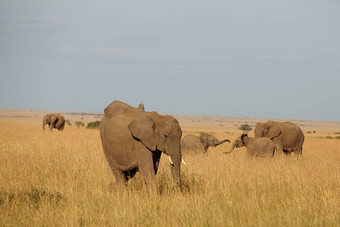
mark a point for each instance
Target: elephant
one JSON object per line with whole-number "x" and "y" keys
{"x": 54, "y": 121}
{"x": 68, "y": 122}
{"x": 201, "y": 143}
{"x": 134, "y": 140}
{"x": 259, "y": 147}
{"x": 287, "y": 136}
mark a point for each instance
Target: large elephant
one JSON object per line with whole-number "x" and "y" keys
{"x": 287, "y": 136}
{"x": 258, "y": 147}
{"x": 201, "y": 143}
{"x": 54, "y": 121}
{"x": 134, "y": 140}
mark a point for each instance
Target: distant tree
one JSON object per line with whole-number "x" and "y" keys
{"x": 94, "y": 124}
{"x": 245, "y": 128}
{"x": 79, "y": 124}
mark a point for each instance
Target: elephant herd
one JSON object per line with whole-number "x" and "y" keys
{"x": 134, "y": 140}
{"x": 284, "y": 137}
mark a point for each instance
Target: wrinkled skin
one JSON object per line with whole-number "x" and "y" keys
{"x": 54, "y": 121}
{"x": 201, "y": 143}
{"x": 258, "y": 147}
{"x": 134, "y": 140}
{"x": 287, "y": 136}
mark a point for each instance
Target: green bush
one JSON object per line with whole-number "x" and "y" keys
{"x": 245, "y": 128}
{"x": 94, "y": 124}
{"x": 68, "y": 122}
{"x": 79, "y": 124}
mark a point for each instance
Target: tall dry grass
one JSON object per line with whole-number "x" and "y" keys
{"x": 62, "y": 179}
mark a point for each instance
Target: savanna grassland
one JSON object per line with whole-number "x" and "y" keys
{"x": 62, "y": 179}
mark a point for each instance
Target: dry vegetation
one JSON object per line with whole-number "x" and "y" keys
{"x": 62, "y": 179}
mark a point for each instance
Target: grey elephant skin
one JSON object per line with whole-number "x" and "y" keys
{"x": 56, "y": 121}
{"x": 134, "y": 140}
{"x": 258, "y": 147}
{"x": 287, "y": 136}
{"x": 201, "y": 143}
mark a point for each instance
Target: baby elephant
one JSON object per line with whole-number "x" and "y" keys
{"x": 259, "y": 147}
{"x": 201, "y": 143}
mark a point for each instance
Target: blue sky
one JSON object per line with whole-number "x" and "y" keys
{"x": 265, "y": 58}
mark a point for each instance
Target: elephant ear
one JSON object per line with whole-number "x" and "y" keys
{"x": 273, "y": 132}
{"x": 142, "y": 128}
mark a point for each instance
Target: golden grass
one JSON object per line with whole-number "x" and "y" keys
{"x": 62, "y": 179}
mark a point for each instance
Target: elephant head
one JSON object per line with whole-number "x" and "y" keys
{"x": 50, "y": 120}
{"x": 162, "y": 133}
{"x": 267, "y": 129}
{"x": 209, "y": 140}
{"x": 237, "y": 143}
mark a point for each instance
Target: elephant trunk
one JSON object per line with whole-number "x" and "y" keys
{"x": 176, "y": 168}
{"x": 223, "y": 141}
{"x": 232, "y": 148}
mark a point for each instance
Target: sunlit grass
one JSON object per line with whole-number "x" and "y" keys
{"x": 62, "y": 178}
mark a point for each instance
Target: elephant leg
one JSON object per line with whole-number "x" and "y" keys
{"x": 51, "y": 126}
{"x": 249, "y": 155}
{"x": 121, "y": 178}
{"x": 147, "y": 170}
{"x": 298, "y": 152}
{"x": 46, "y": 123}
{"x": 279, "y": 148}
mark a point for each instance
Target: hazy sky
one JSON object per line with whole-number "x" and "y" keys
{"x": 262, "y": 58}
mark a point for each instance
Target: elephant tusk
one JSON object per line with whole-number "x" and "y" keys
{"x": 170, "y": 160}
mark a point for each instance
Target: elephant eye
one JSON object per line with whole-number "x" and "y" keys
{"x": 165, "y": 135}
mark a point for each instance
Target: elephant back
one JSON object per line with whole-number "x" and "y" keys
{"x": 191, "y": 143}
{"x": 289, "y": 128}
{"x": 117, "y": 107}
